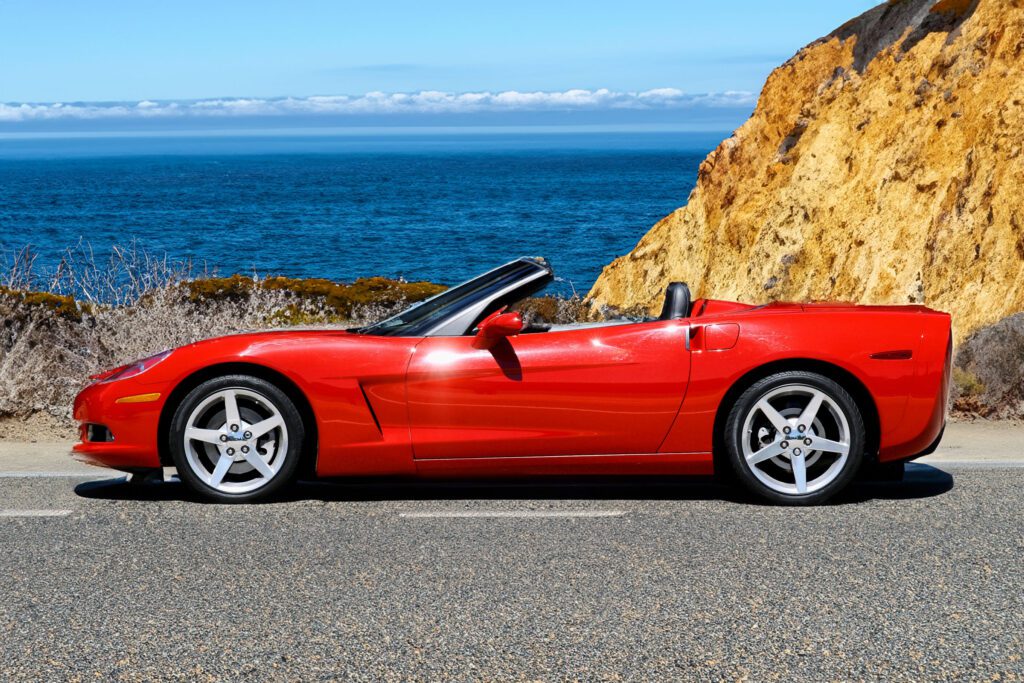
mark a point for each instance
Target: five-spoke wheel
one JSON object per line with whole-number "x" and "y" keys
{"x": 236, "y": 438}
{"x": 795, "y": 437}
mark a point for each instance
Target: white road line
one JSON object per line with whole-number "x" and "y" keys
{"x": 511, "y": 513}
{"x": 34, "y": 513}
{"x": 58, "y": 475}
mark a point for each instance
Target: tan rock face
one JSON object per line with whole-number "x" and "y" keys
{"x": 883, "y": 164}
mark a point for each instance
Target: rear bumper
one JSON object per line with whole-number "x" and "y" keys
{"x": 924, "y": 420}
{"x": 925, "y": 441}
{"x": 932, "y": 447}
{"x": 132, "y": 426}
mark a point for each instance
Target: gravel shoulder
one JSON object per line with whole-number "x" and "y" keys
{"x": 980, "y": 441}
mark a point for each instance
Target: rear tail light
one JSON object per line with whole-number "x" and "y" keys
{"x": 947, "y": 374}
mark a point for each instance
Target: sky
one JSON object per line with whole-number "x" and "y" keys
{"x": 310, "y": 58}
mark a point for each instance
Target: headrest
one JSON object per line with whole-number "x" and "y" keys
{"x": 677, "y": 302}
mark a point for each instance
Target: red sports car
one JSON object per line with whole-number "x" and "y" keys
{"x": 793, "y": 399}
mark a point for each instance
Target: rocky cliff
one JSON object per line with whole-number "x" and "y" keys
{"x": 883, "y": 164}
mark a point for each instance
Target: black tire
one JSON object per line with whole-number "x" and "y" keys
{"x": 776, "y": 386}
{"x": 256, "y": 390}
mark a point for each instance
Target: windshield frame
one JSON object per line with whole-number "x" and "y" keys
{"x": 456, "y": 311}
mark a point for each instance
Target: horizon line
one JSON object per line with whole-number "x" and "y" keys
{"x": 367, "y": 130}
{"x": 376, "y": 103}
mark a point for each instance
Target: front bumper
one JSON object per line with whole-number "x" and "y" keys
{"x": 133, "y": 426}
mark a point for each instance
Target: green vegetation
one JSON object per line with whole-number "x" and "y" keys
{"x": 61, "y": 305}
{"x": 967, "y": 383}
{"x": 341, "y": 300}
{"x": 338, "y": 302}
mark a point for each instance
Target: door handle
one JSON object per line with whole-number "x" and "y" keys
{"x": 717, "y": 336}
{"x": 691, "y": 332}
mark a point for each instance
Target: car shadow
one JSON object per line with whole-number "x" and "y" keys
{"x": 920, "y": 481}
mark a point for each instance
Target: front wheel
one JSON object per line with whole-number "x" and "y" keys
{"x": 795, "y": 437}
{"x": 236, "y": 439}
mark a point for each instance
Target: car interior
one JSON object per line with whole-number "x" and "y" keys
{"x": 459, "y": 310}
{"x": 678, "y": 305}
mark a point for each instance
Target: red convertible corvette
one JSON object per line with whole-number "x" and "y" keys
{"x": 793, "y": 399}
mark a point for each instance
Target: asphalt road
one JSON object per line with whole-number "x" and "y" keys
{"x": 598, "y": 581}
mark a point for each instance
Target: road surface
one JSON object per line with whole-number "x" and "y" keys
{"x": 641, "y": 580}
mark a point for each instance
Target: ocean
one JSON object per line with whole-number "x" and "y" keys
{"x": 439, "y": 206}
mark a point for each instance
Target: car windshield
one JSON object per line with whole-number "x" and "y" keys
{"x": 497, "y": 287}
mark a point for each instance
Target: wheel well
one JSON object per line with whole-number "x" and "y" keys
{"x": 856, "y": 389}
{"x": 282, "y": 382}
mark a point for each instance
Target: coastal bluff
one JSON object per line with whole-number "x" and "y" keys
{"x": 882, "y": 164}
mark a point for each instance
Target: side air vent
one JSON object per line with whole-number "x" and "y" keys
{"x": 369, "y": 406}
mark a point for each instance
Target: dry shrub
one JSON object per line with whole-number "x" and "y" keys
{"x": 605, "y": 312}
{"x": 554, "y": 310}
{"x": 50, "y": 344}
{"x": 988, "y": 374}
{"x": 92, "y": 313}
{"x": 121, "y": 277}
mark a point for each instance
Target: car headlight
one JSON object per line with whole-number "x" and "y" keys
{"x": 131, "y": 369}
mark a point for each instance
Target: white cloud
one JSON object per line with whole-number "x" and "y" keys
{"x": 425, "y": 102}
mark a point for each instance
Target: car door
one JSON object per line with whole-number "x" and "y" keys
{"x": 588, "y": 391}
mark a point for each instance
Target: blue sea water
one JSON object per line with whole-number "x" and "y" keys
{"x": 438, "y": 206}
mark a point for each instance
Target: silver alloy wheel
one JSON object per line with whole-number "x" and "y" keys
{"x": 236, "y": 440}
{"x": 796, "y": 439}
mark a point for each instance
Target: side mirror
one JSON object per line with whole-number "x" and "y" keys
{"x": 496, "y": 327}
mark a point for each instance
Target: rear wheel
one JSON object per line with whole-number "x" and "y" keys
{"x": 795, "y": 437}
{"x": 236, "y": 438}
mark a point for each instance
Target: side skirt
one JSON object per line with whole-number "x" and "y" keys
{"x": 690, "y": 464}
